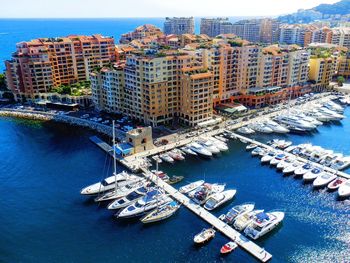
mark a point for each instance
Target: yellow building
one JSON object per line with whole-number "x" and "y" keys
{"x": 321, "y": 71}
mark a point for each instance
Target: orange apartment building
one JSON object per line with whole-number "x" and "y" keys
{"x": 41, "y": 64}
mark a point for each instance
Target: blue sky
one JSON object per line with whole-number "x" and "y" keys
{"x": 150, "y": 8}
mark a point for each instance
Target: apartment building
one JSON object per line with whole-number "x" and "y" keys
{"x": 41, "y": 64}
{"x": 179, "y": 25}
{"x": 341, "y": 36}
{"x": 321, "y": 71}
{"x": 269, "y": 30}
{"x": 141, "y": 33}
{"x": 215, "y": 26}
{"x": 344, "y": 65}
{"x": 247, "y": 29}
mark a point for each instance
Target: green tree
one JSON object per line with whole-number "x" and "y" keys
{"x": 2, "y": 82}
{"x": 340, "y": 80}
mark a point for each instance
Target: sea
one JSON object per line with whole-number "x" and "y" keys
{"x": 43, "y": 166}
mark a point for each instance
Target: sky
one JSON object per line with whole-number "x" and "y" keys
{"x": 150, "y": 8}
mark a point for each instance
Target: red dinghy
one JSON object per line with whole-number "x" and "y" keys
{"x": 336, "y": 183}
{"x": 228, "y": 247}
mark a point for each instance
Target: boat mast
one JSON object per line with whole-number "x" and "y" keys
{"x": 114, "y": 158}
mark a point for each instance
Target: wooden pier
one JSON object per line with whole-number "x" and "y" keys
{"x": 256, "y": 251}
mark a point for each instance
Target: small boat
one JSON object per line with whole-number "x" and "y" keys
{"x": 251, "y": 146}
{"x": 188, "y": 150}
{"x": 344, "y": 189}
{"x": 201, "y": 195}
{"x": 219, "y": 199}
{"x": 291, "y": 168}
{"x": 312, "y": 174}
{"x": 228, "y": 247}
{"x": 263, "y": 223}
{"x": 176, "y": 155}
{"x": 336, "y": 183}
{"x": 285, "y": 162}
{"x": 166, "y": 158}
{"x": 175, "y": 179}
{"x": 204, "y": 236}
{"x": 243, "y": 220}
{"x": 161, "y": 175}
{"x": 257, "y": 151}
{"x": 128, "y": 200}
{"x": 340, "y": 163}
{"x": 277, "y": 159}
{"x": 323, "y": 179}
{"x": 281, "y": 144}
{"x": 157, "y": 159}
{"x": 235, "y": 211}
{"x": 190, "y": 187}
{"x": 303, "y": 169}
{"x": 163, "y": 212}
{"x": 268, "y": 157}
{"x": 245, "y": 130}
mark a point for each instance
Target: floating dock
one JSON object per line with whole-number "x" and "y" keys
{"x": 256, "y": 251}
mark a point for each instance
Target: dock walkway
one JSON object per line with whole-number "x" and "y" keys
{"x": 256, "y": 251}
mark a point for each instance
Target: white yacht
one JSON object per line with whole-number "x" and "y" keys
{"x": 312, "y": 174}
{"x": 190, "y": 187}
{"x": 324, "y": 179}
{"x": 128, "y": 200}
{"x": 309, "y": 119}
{"x": 263, "y": 223}
{"x": 201, "y": 195}
{"x": 244, "y": 219}
{"x": 318, "y": 115}
{"x": 176, "y": 155}
{"x": 150, "y": 201}
{"x": 303, "y": 169}
{"x": 295, "y": 122}
{"x": 340, "y": 163}
{"x": 331, "y": 114}
{"x": 285, "y": 162}
{"x": 222, "y": 146}
{"x": 219, "y": 199}
{"x": 221, "y": 138}
{"x": 122, "y": 191}
{"x": 196, "y": 147}
{"x": 251, "y": 146}
{"x": 245, "y": 130}
{"x": 260, "y": 127}
{"x": 257, "y": 151}
{"x": 268, "y": 157}
{"x": 188, "y": 150}
{"x": 207, "y": 144}
{"x": 235, "y": 211}
{"x": 333, "y": 106}
{"x": 166, "y": 158}
{"x": 344, "y": 189}
{"x": 292, "y": 167}
{"x": 277, "y": 128}
{"x": 277, "y": 159}
{"x": 108, "y": 183}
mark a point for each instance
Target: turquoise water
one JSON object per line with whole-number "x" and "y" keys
{"x": 44, "y": 219}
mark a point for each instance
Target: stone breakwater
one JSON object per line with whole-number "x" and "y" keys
{"x": 46, "y": 116}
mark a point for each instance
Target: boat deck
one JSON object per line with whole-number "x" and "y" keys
{"x": 256, "y": 251}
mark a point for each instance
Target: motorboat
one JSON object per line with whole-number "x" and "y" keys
{"x": 244, "y": 219}
{"x": 207, "y": 144}
{"x": 204, "y": 236}
{"x": 235, "y": 211}
{"x": 268, "y": 157}
{"x": 332, "y": 115}
{"x": 312, "y": 174}
{"x": 277, "y": 128}
{"x": 263, "y": 223}
{"x": 228, "y": 247}
{"x": 190, "y": 187}
{"x": 251, "y": 146}
{"x": 166, "y": 158}
{"x": 222, "y": 146}
{"x": 336, "y": 183}
{"x": 344, "y": 189}
{"x": 221, "y": 138}
{"x": 175, "y": 179}
{"x": 260, "y": 127}
{"x": 277, "y": 159}
{"x": 150, "y": 201}
{"x": 157, "y": 159}
{"x": 293, "y": 121}
{"x": 122, "y": 191}
{"x": 291, "y": 168}
{"x": 107, "y": 183}
{"x": 328, "y": 159}
{"x": 257, "y": 151}
{"x": 323, "y": 179}
{"x": 176, "y": 155}
{"x": 201, "y": 195}
{"x": 161, "y": 175}
{"x": 162, "y": 212}
{"x": 128, "y": 200}
{"x": 280, "y": 144}
{"x": 219, "y": 199}
{"x": 333, "y": 106}
{"x": 285, "y": 162}
{"x": 245, "y": 130}
{"x": 188, "y": 150}
{"x": 340, "y": 163}
{"x": 197, "y": 148}
{"x": 303, "y": 169}
{"x": 318, "y": 116}
{"x": 309, "y": 119}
